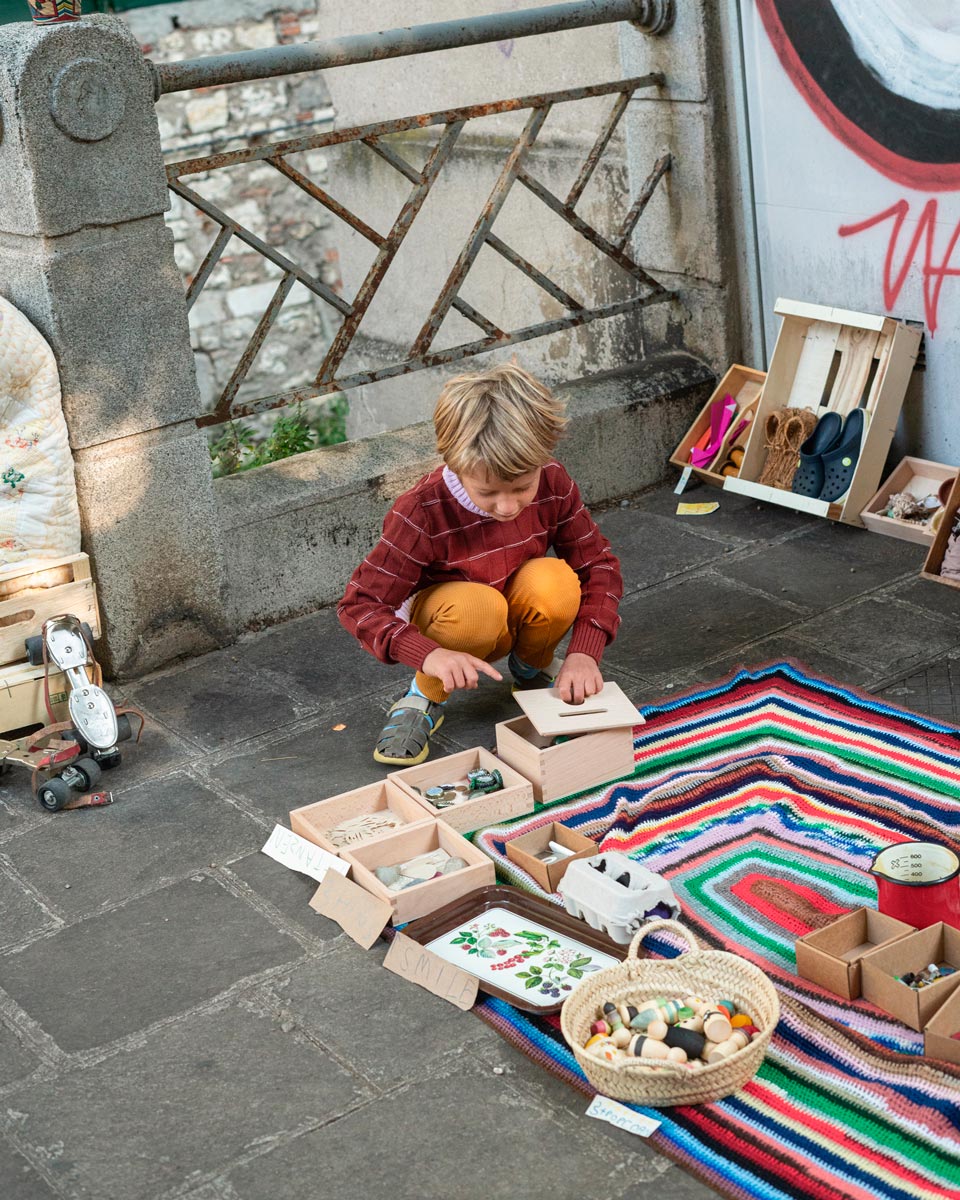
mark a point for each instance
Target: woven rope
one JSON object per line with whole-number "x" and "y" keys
{"x": 713, "y": 974}
{"x": 786, "y": 430}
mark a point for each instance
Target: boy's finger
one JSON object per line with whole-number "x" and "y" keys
{"x": 486, "y": 669}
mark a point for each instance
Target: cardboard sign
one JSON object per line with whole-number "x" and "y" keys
{"x": 358, "y": 913}
{"x": 291, "y": 850}
{"x": 617, "y": 1114}
{"x": 414, "y": 963}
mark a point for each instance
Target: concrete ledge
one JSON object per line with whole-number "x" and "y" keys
{"x": 293, "y": 531}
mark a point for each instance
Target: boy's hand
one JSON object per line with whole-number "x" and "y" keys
{"x": 456, "y": 669}
{"x": 579, "y": 677}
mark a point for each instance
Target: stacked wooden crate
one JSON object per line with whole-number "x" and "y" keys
{"x": 28, "y": 597}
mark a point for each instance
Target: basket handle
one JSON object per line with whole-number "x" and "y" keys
{"x": 659, "y": 923}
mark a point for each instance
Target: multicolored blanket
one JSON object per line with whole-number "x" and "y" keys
{"x": 763, "y": 799}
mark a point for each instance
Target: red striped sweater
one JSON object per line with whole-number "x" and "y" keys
{"x": 432, "y": 536}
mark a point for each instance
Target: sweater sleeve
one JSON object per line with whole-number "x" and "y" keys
{"x": 579, "y": 542}
{"x": 383, "y": 581}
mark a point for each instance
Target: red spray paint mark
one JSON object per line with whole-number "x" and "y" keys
{"x": 933, "y": 273}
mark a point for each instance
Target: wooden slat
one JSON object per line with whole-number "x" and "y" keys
{"x": 857, "y": 348}
{"x": 36, "y": 606}
{"x": 836, "y": 316}
{"x": 816, "y": 359}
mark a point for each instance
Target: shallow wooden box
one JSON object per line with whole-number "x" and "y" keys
{"x": 426, "y": 897}
{"x": 314, "y": 821}
{"x": 586, "y": 760}
{"x": 28, "y": 596}
{"x": 830, "y": 358}
{"x": 934, "y": 559}
{"x": 515, "y": 799}
{"x": 920, "y": 477}
{"x": 744, "y": 384}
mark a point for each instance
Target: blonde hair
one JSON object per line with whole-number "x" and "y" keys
{"x": 500, "y": 421}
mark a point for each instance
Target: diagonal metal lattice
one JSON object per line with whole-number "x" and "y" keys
{"x": 421, "y": 353}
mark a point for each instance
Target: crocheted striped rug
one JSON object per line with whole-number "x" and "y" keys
{"x": 763, "y": 799}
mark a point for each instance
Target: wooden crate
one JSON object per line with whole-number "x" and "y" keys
{"x": 425, "y": 897}
{"x": 744, "y": 384}
{"x": 931, "y": 566}
{"x": 829, "y": 358}
{"x": 920, "y": 477}
{"x": 28, "y": 597}
{"x": 314, "y": 821}
{"x": 514, "y": 799}
{"x": 584, "y": 761}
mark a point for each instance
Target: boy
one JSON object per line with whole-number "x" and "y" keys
{"x": 459, "y": 577}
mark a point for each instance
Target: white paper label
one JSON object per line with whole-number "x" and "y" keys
{"x": 291, "y": 850}
{"x": 624, "y": 1118}
{"x": 684, "y": 480}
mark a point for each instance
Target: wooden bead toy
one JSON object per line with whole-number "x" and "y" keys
{"x": 601, "y": 1027}
{"x": 728, "y": 1007}
{"x": 612, "y": 1016}
{"x": 716, "y": 1025}
{"x": 689, "y": 1041}
{"x": 645, "y": 1047}
{"x": 657, "y": 1030}
{"x": 736, "y": 1041}
{"x": 741, "y": 1019}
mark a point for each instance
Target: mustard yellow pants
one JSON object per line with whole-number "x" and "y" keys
{"x": 530, "y": 616}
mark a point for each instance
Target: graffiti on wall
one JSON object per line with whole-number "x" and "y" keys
{"x": 884, "y": 77}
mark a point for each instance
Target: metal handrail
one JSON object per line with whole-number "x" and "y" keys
{"x": 652, "y": 16}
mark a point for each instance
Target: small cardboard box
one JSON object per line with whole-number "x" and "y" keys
{"x": 918, "y": 476}
{"x": 314, "y": 821}
{"x": 426, "y": 897}
{"x": 744, "y": 384}
{"x": 934, "y": 559}
{"x": 831, "y": 956}
{"x": 515, "y": 798}
{"x": 938, "y": 1039}
{"x": 938, "y": 944}
{"x": 523, "y": 851}
{"x": 584, "y": 761}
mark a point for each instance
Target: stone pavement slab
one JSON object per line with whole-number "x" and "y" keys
{"x": 158, "y": 832}
{"x": 669, "y": 629}
{"x": 23, "y": 915}
{"x": 287, "y": 770}
{"x": 110, "y": 976}
{"x": 167, "y": 1112}
{"x": 19, "y": 1181}
{"x": 879, "y": 632}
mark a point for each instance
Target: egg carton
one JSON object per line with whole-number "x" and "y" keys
{"x": 613, "y": 893}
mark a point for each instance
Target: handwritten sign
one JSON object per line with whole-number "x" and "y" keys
{"x": 418, "y": 965}
{"x": 295, "y": 852}
{"x": 608, "y": 1110}
{"x": 358, "y": 914}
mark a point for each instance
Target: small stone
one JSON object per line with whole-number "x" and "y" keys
{"x": 67, "y": 886}
{"x": 387, "y": 875}
{"x": 624, "y": 503}
{"x": 498, "y": 1070}
{"x": 287, "y": 1026}
{"x": 451, "y": 865}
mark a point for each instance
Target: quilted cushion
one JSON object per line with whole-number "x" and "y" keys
{"x": 39, "y": 518}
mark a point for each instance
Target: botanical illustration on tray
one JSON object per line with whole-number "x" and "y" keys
{"x": 520, "y": 956}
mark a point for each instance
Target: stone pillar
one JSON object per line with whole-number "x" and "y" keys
{"x": 85, "y": 254}
{"x": 685, "y": 237}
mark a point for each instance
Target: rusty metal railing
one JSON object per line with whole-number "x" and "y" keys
{"x": 375, "y": 138}
{"x": 651, "y": 16}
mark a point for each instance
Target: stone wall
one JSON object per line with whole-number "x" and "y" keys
{"x": 211, "y": 120}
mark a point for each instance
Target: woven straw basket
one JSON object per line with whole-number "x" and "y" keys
{"x": 713, "y": 974}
